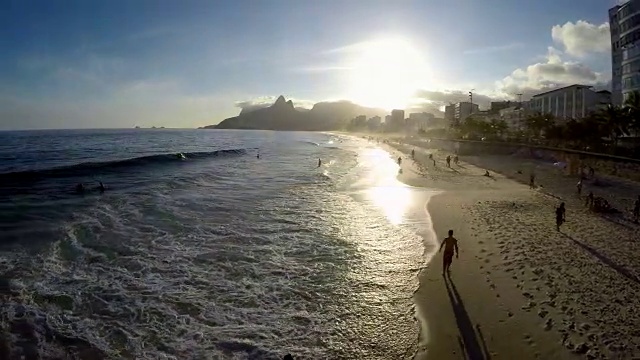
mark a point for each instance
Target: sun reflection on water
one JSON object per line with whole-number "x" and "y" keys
{"x": 386, "y": 192}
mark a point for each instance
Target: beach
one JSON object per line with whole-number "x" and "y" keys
{"x": 520, "y": 288}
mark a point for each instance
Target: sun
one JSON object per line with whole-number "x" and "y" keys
{"x": 386, "y": 73}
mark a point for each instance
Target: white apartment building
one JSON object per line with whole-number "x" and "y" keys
{"x": 570, "y": 102}
{"x": 624, "y": 25}
{"x": 514, "y": 116}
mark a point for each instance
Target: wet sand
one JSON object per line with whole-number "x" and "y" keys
{"x": 520, "y": 288}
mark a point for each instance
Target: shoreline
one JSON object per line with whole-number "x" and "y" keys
{"x": 464, "y": 317}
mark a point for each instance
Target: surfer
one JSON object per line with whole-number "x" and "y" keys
{"x": 180, "y": 156}
{"x": 319, "y": 162}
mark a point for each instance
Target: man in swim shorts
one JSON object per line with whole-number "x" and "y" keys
{"x": 450, "y": 243}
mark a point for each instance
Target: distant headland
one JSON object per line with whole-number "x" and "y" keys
{"x": 282, "y": 115}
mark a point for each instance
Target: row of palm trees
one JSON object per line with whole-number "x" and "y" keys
{"x": 600, "y": 131}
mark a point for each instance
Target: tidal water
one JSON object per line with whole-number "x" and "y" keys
{"x": 221, "y": 255}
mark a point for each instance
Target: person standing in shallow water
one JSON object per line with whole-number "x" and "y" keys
{"x": 560, "y": 216}
{"x": 450, "y": 244}
{"x": 319, "y": 162}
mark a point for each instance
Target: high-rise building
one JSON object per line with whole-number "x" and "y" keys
{"x": 463, "y": 110}
{"x": 624, "y": 24}
{"x": 397, "y": 119}
{"x": 450, "y": 112}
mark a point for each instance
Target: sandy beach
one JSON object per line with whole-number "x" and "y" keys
{"x": 521, "y": 289}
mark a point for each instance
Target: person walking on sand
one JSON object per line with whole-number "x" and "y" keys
{"x": 449, "y": 243}
{"x": 560, "y": 216}
{"x": 448, "y": 161}
{"x": 532, "y": 181}
{"x": 579, "y": 187}
{"x": 589, "y": 202}
{"x": 456, "y": 160}
{"x": 399, "y": 160}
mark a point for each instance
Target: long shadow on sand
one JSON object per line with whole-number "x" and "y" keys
{"x": 474, "y": 348}
{"x": 620, "y": 269}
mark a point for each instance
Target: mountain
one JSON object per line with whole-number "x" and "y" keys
{"x": 283, "y": 115}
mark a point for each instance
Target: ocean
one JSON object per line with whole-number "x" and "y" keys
{"x": 221, "y": 255}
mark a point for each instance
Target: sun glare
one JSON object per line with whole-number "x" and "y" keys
{"x": 386, "y": 73}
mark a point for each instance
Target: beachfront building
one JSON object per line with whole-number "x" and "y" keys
{"x": 395, "y": 122}
{"x": 624, "y": 25}
{"x": 515, "y": 115}
{"x": 374, "y": 122}
{"x": 570, "y": 102}
{"x": 463, "y": 110}
{"x": 496, "y": 106}
{"x": 419, "y": 121}
{"x": 450, "y": 113}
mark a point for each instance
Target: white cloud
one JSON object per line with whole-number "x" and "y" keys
{"x": 582, "y": 38}
{"x": 552, "y": 72}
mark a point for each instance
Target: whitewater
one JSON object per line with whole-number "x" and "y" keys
{"x": 222, "y": 255}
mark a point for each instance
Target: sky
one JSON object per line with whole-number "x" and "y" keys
{"x": 110, "y": 64}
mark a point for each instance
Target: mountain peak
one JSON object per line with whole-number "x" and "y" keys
{"x": 280, "y": 101}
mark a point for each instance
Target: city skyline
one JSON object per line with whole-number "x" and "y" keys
{"x": 190, "y": 64}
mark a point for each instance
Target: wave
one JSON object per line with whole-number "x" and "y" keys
{"x": 90, "y": 168}
{"x": 309, "y": 142}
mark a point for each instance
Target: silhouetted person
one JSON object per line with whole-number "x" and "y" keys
{"x": 592, "y": 172}
{"x": 532, "y": 181}
{"x": 560, "y": 216}
{"x": 413, "y": 153}
{"x": 80, "y": 188}
{"x": 486, "y": 173}
{"x": 456, "y": 160}
{"x": 448, "y": 161}
{"x": 399, "y": 160}
{"x": 449, "y": 243}
{"x": 579, "y": 187}
{"x": 258, "y": 156}
{"x": 102, "y": 188}
{"x": 319, "y": 162}
{"x": 589, "y": 201}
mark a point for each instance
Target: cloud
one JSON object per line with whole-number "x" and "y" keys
{"x": 493, "y": 49}
{"x": 582, "y": 38}
{"x": 266, "y": 101}
{"x": 440, "y": 98}
{"x": 551, "y": 73}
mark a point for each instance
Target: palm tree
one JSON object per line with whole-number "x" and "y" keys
{"x": 632, "y": 109}
{"x": 614, "y": 121}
